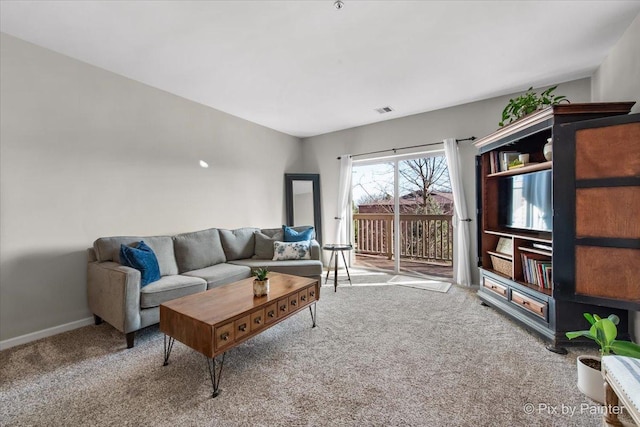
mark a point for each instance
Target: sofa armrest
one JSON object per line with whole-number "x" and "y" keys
{"x": 315, "y": 250}
{"x": 113, "y": 292}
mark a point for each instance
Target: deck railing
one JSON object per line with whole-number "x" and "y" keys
{"x": 422, "y": 237}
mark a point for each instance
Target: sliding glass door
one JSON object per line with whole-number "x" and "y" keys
{"x": 402, "y": 209}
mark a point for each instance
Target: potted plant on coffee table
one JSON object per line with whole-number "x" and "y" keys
{"x": 261, "y": 282}
{"x": 604, "y": 332}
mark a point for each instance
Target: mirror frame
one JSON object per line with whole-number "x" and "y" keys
{"x": 289, "y": 178}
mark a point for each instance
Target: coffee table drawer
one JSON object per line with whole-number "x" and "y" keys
{"x": 271, "y": 313}
{"x": 242, "y": 326}
{"x": 294, "y": 303}
{"x": 283, "y": 307}
{"x": 224, "y": 335}
{"x": 303, "y": 297}
{"x": 313, "y": 293}
{"x": 257, "y": 319}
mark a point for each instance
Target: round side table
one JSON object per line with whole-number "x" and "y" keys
{"x": 334, "y": 248}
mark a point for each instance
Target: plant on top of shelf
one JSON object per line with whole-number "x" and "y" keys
{"x": 528, "y": 103}
{"x": 604, "y": 333}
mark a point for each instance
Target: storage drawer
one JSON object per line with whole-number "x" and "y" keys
{"x": 224, "y": 335}
{"x": 293, "y": 302}
{"x": 532, "y": 305}
{"x": 242, "y": 326}
{"x": 271, "y": 313}
{"x": 257, "y": 319}
{"x": 303, "y": 297}
{"x": 313, "y": 293}
{"x": 495, "y": 287}
{"x": 283, "y": 307}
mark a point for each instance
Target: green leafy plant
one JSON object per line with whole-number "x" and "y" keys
{"x": 604, "y": 332}
{"x": 261, "y": 273}
{"x": 528, "y": 103}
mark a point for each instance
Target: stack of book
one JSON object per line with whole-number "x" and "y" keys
{"x": 500, "y": 160}
{"x": 536, "y": 270}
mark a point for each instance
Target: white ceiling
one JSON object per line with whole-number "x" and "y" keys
{"x": 305, "y": 68}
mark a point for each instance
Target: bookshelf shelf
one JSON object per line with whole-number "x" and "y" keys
{"x": 530, "y": 167}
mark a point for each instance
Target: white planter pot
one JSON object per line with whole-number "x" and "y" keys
{"x": 260, "y": 287}
{"x": 590, "y": 381}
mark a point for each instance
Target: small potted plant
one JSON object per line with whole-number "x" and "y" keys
{"x": 261, "y": 282}
{"x": 604, "y": 333}
{"x": 528, "y": 103}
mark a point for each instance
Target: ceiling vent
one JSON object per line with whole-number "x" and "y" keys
{"x": 384, "y": 110}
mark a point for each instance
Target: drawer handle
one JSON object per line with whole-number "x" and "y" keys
{"x": 225, "y": 336}
{"x": 524, "y": 302}
{"x": 294, "y": 303}
{"x": 243, "y": 327}
{"x": 303, "y": 298}
{"x": 271, "y": 314}
{"x": 312, "y": 293}
{"x": 283, "y": 308}
{"x": 258, "y": 320}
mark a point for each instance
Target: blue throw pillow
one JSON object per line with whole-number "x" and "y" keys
{"x": 291, "y": 235}
{"x": 141, "y": 258}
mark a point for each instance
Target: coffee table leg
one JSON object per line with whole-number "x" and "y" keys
{"x": 215, "y": 381}
{"x": 167, "y": 349}
{"x": 314, "y": 314}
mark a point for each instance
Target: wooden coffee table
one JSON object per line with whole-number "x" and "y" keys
{"x": 215, "y": 321}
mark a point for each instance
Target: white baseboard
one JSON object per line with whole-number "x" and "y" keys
{"x": 23, "y": 339}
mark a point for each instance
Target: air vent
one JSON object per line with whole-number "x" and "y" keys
{"x": 384, "y": 110}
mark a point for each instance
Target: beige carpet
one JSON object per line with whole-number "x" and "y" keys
{"x": 380, "y": 356}
{"x": 420, "y": 283}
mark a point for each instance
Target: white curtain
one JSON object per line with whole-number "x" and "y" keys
{"x": 344, "y": 187}
{"x": 461, "y": 260}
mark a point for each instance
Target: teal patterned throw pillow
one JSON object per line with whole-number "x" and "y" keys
{"x": 283, "y": 251}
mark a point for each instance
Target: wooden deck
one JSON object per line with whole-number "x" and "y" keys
{"x": 407, "y": 266}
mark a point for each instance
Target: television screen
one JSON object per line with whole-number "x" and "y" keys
{"x": 525, "y": 201}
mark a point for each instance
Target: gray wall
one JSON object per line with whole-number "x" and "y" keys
{"x": 477, "y": 119}
{"x": 618, "y": 79}
{"x": 87, "y": 153}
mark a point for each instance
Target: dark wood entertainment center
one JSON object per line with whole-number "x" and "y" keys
{"x": 592, "y": 255}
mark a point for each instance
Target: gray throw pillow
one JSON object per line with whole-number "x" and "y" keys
{"x": 264, "y": 246}
{"x": 239, "y": 243}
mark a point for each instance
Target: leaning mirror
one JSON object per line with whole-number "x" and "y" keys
{"x": 302, "y": 193}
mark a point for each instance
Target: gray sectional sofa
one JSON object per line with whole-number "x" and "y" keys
{"x": 189, "y": 263}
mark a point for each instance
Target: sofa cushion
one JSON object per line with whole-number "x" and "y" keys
{"x": 108, "y": 249}
{"x": 221, "y": 274}
{"x": 142, "y": 258}
{"x": 239, "y": 243}
{"x": 283, "y": 251}
{"x": 168, "y": 288}
{"x": 307, "y": 268}
{"x": 293, "y": 235}
{"x": 198, "y": 249}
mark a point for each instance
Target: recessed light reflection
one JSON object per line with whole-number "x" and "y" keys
{"x": 204, "y": 164}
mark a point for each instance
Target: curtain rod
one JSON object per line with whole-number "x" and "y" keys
{"x": 471, "y": 138}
